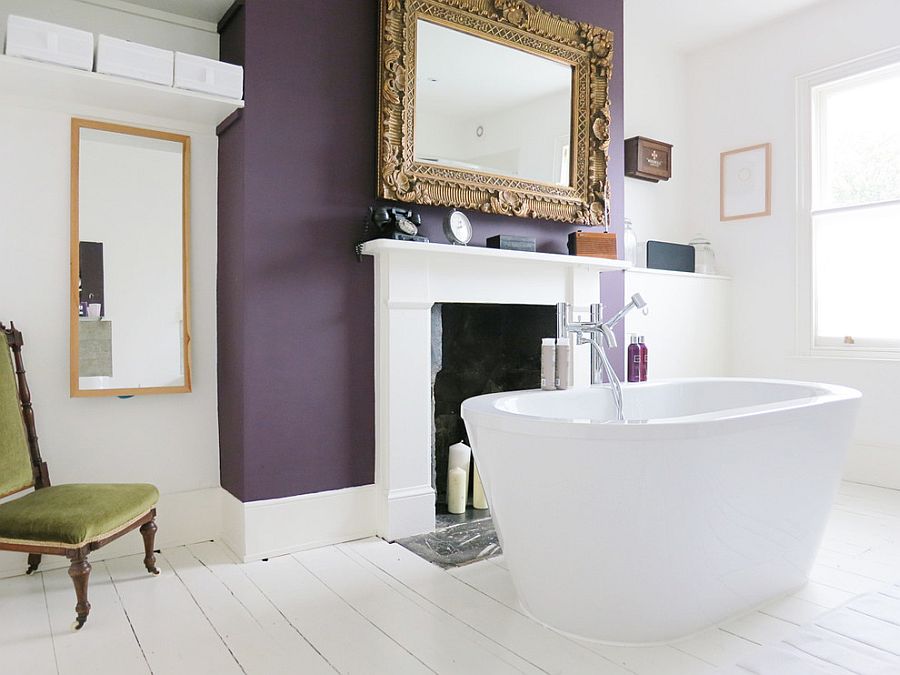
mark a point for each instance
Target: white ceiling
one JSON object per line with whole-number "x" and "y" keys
{"x": 688, "y": 25}
{"x": 204, "y": 10}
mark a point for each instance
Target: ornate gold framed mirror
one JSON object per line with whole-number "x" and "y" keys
{"x": 130, "y": 290}
{"x": 496, "y": 106}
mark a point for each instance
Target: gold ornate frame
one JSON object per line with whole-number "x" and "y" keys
{"x": 518, "y": 24}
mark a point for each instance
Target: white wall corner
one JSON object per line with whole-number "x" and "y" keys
{"x": 271, "y": 527}
{"x": 874, "y": 464}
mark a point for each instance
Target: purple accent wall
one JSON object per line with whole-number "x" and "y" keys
{"x": 296, "y": 177}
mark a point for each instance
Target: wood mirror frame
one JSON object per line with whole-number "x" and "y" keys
{"x": 75, "y": 389}
{"x": 517, "y": 24}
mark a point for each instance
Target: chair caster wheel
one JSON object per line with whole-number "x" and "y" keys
{"x": 79, "y": 623}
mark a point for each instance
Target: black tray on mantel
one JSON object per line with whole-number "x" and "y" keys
{"x": 663, "y": 255}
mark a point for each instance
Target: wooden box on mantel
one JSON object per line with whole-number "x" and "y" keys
{"x": 593, "y": 244}
{"x": 648, "y": 159}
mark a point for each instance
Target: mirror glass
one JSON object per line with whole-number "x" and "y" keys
{"x": 130, "y": 329}
{"x": 489, "y": 107}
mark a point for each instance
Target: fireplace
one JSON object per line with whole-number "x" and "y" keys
{"x": 412, "y": 278}
{"x": 480, "y": 349}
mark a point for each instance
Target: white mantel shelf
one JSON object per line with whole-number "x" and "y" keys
{"x": 33, "y": 79}
{"x": 410, "y": 278}
{"x": 461, "y": 254}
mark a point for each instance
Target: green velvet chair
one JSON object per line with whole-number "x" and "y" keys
{"x": 70, "y": 520}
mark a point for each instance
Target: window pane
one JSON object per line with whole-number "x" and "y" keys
{"x": 857, "y": 273}
{"x": 860, "y": 149}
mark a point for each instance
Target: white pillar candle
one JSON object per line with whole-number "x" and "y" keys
{"x": 479, "y": 501}
{"x": 460, "y": 456}
{"x": 457, "y": 487}
{"x": 458, "y": 477}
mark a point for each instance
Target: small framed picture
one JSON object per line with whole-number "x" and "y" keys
{"x": 745, "y": 182}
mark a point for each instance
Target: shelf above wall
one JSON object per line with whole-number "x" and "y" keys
{"x": 32, "y": 79}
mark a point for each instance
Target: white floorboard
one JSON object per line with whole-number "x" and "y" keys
{"x": 349, "y": 641}
{"x": 109, "y": 640}
{"x": 371, "y": 607}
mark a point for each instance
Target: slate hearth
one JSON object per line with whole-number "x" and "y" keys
{"x": 457, "y": 539}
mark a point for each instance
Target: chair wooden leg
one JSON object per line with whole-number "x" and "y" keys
{"x": 34, "y": 561}
{"x": 80, "y": 572}
{"x": 148, "y": 531}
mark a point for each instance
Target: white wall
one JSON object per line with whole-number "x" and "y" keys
{"x": 656, "y": 106}
{"x": 741, "y": 93}
{"x": 687, "y": 329}
{"x": 172, "y": 440}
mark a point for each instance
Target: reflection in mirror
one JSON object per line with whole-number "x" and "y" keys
{"x": 489, "y": 107}
{"x": 129, "y": 228}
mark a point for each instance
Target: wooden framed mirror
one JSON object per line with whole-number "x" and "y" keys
{"x": 130, "y": 290}
{"x": 496, "y": 106}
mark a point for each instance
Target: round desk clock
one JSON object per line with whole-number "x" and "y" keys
{"x": 457, "y": 228}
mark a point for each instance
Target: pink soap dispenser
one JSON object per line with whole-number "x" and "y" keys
{"x": 643, "y": 358}
{"x": 634, "y": 360}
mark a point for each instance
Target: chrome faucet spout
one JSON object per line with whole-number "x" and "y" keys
{"x": 608, "y": 335}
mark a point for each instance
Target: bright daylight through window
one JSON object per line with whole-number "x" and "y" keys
{"x": 855, "y": 213}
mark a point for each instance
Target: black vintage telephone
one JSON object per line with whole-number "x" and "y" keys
{"x": 391, "y": 222}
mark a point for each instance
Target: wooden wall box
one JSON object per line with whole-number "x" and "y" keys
{"x": 648, "y": 159}
{"x": 593, "y": 244}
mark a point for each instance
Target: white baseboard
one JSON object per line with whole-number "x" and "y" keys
{"x": 406, "y": 513}
{"x": 271, "y": 527}
{"x": 874, "y": 464}
{"x": 182, "y": 517}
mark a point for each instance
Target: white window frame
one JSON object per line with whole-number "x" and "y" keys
{"x": 808, "y": 130}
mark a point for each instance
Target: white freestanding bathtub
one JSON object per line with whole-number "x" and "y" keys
{"x": 710, "y": 500}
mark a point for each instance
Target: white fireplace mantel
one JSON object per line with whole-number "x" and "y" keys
{"x": 410, "y": 277}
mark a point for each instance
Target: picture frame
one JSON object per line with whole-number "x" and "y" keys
{"x": 745, "y": 182}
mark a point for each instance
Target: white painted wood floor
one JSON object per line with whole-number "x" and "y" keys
{"x": 371, "y": 607}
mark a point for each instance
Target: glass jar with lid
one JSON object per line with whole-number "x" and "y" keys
{"x": 704, "y": 256}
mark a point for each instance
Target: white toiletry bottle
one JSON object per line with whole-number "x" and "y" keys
{"x": 563, "y": 364}
{"x": 548, "y": 364}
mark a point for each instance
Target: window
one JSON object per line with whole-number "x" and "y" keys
{"x": 851, "y": 204}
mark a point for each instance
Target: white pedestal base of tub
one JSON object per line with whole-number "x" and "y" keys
{"x": 710, "y": 501}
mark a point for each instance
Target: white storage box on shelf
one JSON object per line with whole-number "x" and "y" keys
{"x": 134, "y": 60}
{"x": 49, "y": 42}
{"x": 209, "y": 76}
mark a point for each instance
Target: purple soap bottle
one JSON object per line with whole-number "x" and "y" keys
{"x": 634, "y": 360}
{"x": 643, "y": 353}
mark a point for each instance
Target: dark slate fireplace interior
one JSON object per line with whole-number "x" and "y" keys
{"x": 480, "y": 349}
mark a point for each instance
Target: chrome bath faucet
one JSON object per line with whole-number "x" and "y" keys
{"x": 599, "y": 334}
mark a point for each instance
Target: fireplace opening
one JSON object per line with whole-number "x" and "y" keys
{"x": 475, "y": 349}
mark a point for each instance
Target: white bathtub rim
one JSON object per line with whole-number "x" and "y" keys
{"x": 485, "y": 409}
{"x": 673, "y": 641}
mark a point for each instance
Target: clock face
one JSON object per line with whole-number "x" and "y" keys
{"x": 458, "y": 228}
